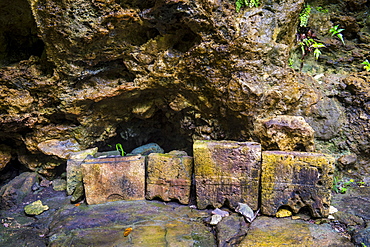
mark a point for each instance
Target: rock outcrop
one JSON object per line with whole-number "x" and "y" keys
{"x": 285, "y": 133}
{"x": 15, "y": 191}
{"x": 169, "y": 72}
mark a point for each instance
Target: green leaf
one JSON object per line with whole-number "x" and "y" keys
{"x": 340, "y": 36}
{"x": 317, "y": 45}
{"x": 120, "y": 149}
{"x": 317, "y": 53}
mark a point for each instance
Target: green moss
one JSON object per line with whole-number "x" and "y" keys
{"x": 203, "y": 160}
{"x": 304, "y": 16}
{"x": 35, "y": 208}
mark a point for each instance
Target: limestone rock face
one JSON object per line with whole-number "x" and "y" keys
{"x": 296, "y": 180}
{"x": 59, "y": 148}
{"x": 285, "y": 133}
{"x": 159, "y": 71}
{"x": 169, "y": 63}
{"x": 169, "y": 176}
{"x": 355, "y": 97}
{"x": 112, "y": 179}
{"x": 227, "y": 172}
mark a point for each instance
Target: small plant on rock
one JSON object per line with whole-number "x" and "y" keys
{"x": 341, "y": 186}
{"x": 119, "y": 148}
{"x": 336, "y": 31}
{"x": 366, "y": 65}
{"x": 247, "y": 3}
{"x": 308, "y": 44}
{"x": 322, "y": 10}
{"x": 304, "y": 16}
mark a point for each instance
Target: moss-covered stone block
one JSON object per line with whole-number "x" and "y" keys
{"x": 227, "y": 172}
{"x": 74, "y": 170}
{"x": 169, "y": 176}
{"x": 296, "y": 180}
{"x": 114, "y": 178}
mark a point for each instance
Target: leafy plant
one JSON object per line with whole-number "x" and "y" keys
{"x": 310, "y": 44}
{"x": 335, "y": 185}
{"x": 322, "y": 10}
{"x": 247, "y": 3}
{"x": 291, "y": 62}
{"x": 336, "y": 31}
{"x": 119, "y": 148}
{"x": 366, "y": 65}
{"x": 341, "y": 186}
{"x": 348, "y": 183}
{"x": 304, "y": 16}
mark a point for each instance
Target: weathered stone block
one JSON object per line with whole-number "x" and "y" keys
{"x": 227, "y": 172}
{"x": 285, "y": 133}
{"x": 74, "y": 173}
{"x": 114, "y": 178}
{"x": 297, "y": 180}
{"x": 169, "y": 176}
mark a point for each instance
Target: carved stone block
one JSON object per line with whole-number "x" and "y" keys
{"x": 114, "y": 178}
{"x": 169, "y": 176}
{"x": 227, "y": 172}
{"x": 296, "y": 180}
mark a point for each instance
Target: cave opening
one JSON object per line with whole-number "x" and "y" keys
{"x": 18, "y": 33}
{"x": 163, "y": 129}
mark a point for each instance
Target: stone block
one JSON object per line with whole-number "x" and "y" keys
{"x": 169, "y": 176}
{"x": 114, "y": 178}
{"x": 285, "y": 133}
{"x": 227, "y": 172}
{"x": 296, "y": 180}
{"x": 74, "y": 174}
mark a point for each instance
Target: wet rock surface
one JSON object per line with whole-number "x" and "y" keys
{"x": 286, "y": 232}
{"x": 15, "y": 191}
{"x": 156, "y": 223}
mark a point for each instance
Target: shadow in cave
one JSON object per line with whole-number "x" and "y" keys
{"x": 167, "y": 133}
{"x": 18, "y": 33}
